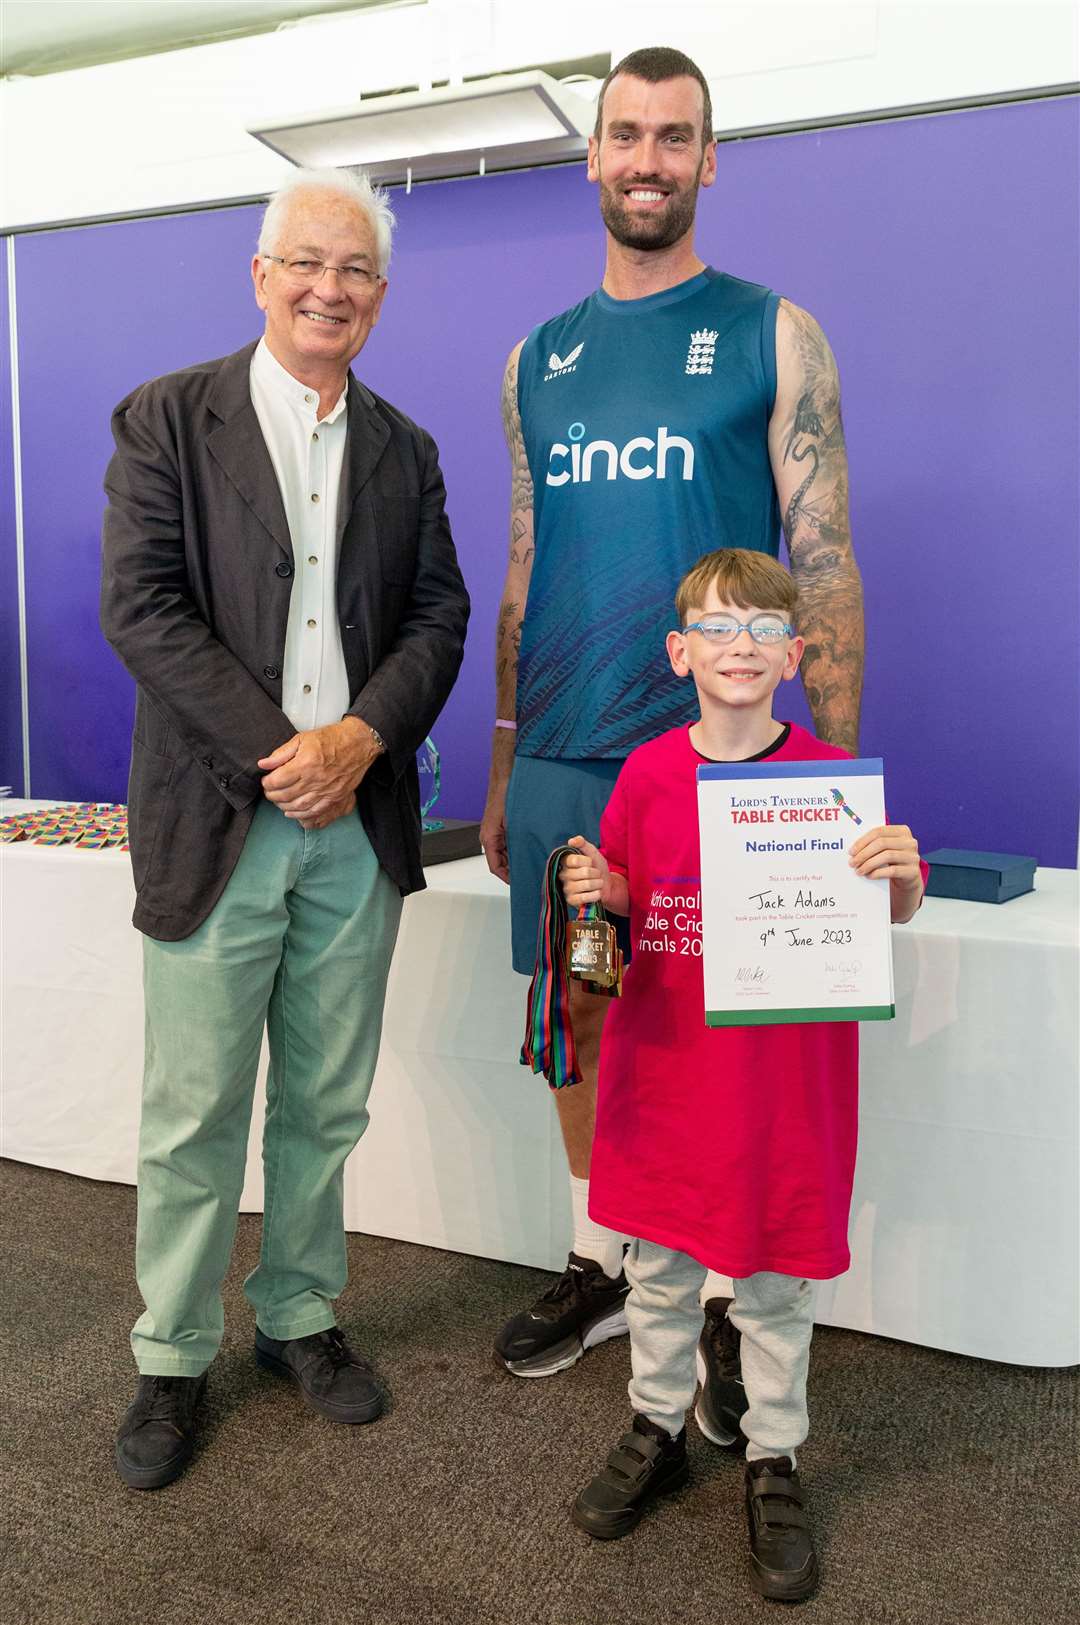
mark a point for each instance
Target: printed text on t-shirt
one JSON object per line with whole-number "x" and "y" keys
{"x": 672, "y": 924}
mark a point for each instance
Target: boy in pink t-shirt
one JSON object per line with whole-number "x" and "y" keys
{"x": 731, "y": 1148}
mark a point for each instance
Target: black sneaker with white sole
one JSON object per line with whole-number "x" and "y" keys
{"x": 722, "y": 1400}
{"x": 584, "y": 1307}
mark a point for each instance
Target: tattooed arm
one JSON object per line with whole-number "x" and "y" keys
{"x": 508, "y": 630}
{"x": 809, "y": 463}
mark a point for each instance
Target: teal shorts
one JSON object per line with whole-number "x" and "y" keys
{"x": 546, "y": 803}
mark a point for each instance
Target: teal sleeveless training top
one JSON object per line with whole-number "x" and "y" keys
{"x": 645, "y": 425}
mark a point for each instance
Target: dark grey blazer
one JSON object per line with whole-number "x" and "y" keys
{"x": 197, "y": 573}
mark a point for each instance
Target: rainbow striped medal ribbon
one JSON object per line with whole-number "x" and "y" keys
{"x": 585, "y": 948}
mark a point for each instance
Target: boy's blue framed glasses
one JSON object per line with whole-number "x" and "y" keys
{"x": 725, "y": 628}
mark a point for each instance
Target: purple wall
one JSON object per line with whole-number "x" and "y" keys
{"x": 11, "y": 767}
{"x": 938, "y": 253}
{"x": 150, "y": 296}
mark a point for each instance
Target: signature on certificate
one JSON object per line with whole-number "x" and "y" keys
{"x": 751, "y": 973}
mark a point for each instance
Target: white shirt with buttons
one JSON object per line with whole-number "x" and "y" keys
{"x": 308, "y": 457}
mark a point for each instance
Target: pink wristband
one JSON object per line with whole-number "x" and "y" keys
{"x": 501, "y": 722}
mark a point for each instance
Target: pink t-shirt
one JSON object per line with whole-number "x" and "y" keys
{"x": 735, "y": 1145}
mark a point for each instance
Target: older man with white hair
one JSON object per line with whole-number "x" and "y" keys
{"x": 280, "y": 579}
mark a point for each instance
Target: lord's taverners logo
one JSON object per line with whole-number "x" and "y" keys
{"x": 699, "y": 357}
{"x": 559, "y": 368}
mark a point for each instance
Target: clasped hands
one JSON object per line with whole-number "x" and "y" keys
{"x": 313, "y": 776}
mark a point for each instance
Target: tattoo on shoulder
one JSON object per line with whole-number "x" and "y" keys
{"x": 521, "y": 489}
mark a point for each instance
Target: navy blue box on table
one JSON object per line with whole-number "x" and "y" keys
{"x": 979, "y": 877}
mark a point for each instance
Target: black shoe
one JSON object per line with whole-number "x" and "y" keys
{"x": 645, "y": 1463}
{"x": 157, "y": 1436}
{"x": 722, "y": 1400}
{"x": 333, "y": 1380}
{"x": 583, "y": 1308}
{"x": 782, "y": 1560}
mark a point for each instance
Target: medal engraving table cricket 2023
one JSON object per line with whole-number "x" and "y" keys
{"x": 790, "y": 932}
{"x": 592, "y": 952}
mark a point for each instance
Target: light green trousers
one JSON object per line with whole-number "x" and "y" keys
{"x": 299, "y": 943}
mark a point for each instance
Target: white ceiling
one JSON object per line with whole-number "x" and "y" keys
{"x": 48, "y": 36}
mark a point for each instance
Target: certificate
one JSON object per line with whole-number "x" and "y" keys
{"x": 790, "y": 932}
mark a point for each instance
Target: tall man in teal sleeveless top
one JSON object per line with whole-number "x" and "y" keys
{"x": 675, "y": 410}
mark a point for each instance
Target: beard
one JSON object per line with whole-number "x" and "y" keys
{"x": 651, "y": 231}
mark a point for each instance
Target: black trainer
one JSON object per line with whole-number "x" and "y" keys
{"x": 782, "y": 1559}
{"x": 583, "y": 1308}
{"x": 157, "y": 1436}
{"x": 333, "y": 1380}
{"x": 645, "y": 1463}
{"x": 722, "y": 1400}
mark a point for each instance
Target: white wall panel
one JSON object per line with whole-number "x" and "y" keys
{"x": 169, "y": 130}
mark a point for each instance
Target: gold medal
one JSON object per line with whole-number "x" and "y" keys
{"x": 593, "y": 955}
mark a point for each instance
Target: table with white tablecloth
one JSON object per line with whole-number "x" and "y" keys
{"x": 964, "y": 1222}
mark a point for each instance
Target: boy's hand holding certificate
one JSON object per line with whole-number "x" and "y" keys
{"x": 791, "y": 931}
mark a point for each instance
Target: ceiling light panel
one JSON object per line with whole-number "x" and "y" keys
{"x": 509, "y": 121}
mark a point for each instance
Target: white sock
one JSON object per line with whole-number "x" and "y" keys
{"x": 717, "y": 1286}
{"x": 591, "y": 1240}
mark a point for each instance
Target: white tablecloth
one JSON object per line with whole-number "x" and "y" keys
{"x": 967, "y": 1197}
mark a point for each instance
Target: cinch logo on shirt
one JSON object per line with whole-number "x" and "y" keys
{"x": 634, "y": 460}
{"x": 560, "y": 369}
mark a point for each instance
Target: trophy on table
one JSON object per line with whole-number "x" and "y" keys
{"x": 442, "y": 839}
{"x": 427, "y": 766}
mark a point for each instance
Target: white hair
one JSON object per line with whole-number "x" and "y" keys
{"x": 354, "y": 185}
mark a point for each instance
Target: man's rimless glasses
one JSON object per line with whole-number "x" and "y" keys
{"x": 357, "y": 277}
